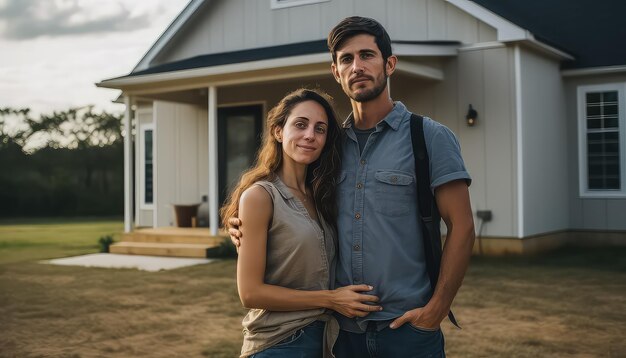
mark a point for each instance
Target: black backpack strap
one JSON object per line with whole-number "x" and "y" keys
{"x": 429, "y": 213}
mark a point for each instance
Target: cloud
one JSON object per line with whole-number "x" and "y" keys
{"x": 27, "y": 19}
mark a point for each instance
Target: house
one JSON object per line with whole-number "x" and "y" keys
{"x": 547, "y": 79}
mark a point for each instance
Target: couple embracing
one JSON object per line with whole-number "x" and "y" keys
{"x": 331, "y": 251}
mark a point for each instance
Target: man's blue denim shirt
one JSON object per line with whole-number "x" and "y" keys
{"x": 380, "y": 240}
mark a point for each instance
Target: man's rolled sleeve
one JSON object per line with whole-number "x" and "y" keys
{"x": 444, "y": 152}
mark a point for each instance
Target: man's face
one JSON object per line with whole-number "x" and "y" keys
{"x": 360, "y": 68}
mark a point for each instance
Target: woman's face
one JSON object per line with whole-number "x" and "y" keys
{"x": 304, "y": 134}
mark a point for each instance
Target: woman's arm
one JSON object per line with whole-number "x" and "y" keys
{"x": 255, "y": 211}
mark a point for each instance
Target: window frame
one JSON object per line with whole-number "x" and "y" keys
{"x": 278, "y": 4}
{"x": 583, "y": 170}
{"x": 143, "y": 128}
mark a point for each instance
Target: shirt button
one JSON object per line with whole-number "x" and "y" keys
{"x": 357, "y": 279}
{"x": 394, "y": 179}
{"x": 362, "y": 162}
{"x": 357, "y": 247}
{"x": 359, "y": 186}
{"x": 357, "y": 216}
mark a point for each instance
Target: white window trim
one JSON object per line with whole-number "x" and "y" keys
{"x": 278, "y": 4}
{"x": 582, "y": 140}
{"x": 142, "y": 165}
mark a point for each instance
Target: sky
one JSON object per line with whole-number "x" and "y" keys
{"x": 52, "y": 52}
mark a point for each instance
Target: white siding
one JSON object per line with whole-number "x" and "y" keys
{"x": 498, "y": 121}
{"x": 180, "y": 150}
{"x": 270, "y": 95}
{"x": 545, "y": 155}
{"x": 222, "y": 26}
{"x": 481, "y": 78}
{"x": 488, "y": 146}
{"x": 589, "y": 213}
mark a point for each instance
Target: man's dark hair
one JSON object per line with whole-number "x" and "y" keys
{"x": 357, "y": 25}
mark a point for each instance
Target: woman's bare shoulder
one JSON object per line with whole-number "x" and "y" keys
{"x": 256, "y": 200}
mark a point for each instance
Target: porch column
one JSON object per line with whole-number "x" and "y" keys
{"x": 213, "y": 164}
{"x": 128, "y": 167}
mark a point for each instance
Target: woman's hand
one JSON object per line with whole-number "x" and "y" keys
{"x": 234, "y": 232}
{"x": 350, "y": 302}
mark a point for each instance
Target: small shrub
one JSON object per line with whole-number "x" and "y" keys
{"x": 226, "y": 249}
{"x": 105, "y": 242}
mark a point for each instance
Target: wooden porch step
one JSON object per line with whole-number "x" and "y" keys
{"x": 160, "y": 249}
{"x": 173, "y": 235}
{"x": 172, "y": 239}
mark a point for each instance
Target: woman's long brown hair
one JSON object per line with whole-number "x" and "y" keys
{"x": 321, "y": 173}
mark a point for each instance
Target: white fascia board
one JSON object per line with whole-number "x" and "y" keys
{"x": 547, "y": 48}
{"x": 218, "y": 70}
{"x": 168, "y": 34}
{"x": 402, "y": 49}
{"x": 530, "y": 41}
{"x": 482, "y": 46}
{"x": 594, "y": 71}
{"x": 420, "y": 70}
{"x": 507, "y": 31}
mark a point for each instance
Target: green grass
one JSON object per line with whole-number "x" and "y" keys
{"x": 32, "y": 239}
{"x": 568, "y": 303}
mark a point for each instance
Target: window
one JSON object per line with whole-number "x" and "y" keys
{"x": 602, "y": 139}
{"x": 279, "y": 4}
{"x": 146, "y": 150}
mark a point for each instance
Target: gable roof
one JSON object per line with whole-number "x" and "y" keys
{"x": 506, "y": 31}
{"x": 587, "y": 29}
{"x": 162, "y": 42}
{"x": 593, "y": 31}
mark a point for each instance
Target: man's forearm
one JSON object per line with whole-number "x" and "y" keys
{"x": 454, "y": 262}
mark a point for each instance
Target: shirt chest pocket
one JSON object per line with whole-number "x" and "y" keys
{"x": 343, "y": 183}
{"x": 395, "y": 190}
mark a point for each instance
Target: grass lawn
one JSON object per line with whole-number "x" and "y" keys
{"x": 35, "y": 239}
{"x": 565, "y": 304}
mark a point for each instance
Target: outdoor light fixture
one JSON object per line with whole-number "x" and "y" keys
{"x": 471, "y": 116}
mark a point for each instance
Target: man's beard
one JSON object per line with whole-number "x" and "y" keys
{"x": 369, "y": 95}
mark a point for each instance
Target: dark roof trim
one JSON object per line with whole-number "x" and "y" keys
{"x": 258, "y": 54}
{"x": 225, "y": 58}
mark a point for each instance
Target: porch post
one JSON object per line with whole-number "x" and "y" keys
{"x": 213, "y": 164}
{"x": 128, "y": 167}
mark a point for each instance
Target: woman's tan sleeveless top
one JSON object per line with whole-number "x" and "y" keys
{"x": 301, "y": 256}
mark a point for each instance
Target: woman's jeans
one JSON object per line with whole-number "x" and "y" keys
{"x": 304, "y": 343}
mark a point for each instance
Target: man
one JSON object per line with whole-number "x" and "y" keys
{"x": 380, "y": 240}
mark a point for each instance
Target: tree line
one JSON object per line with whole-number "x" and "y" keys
{"x": 68, "y": 163}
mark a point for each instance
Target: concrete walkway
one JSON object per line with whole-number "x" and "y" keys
{"x": 145, "y": 263}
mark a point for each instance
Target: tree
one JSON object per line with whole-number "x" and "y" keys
{"x": 15, "y": 134}
{"x": 75, "y": 128}
{"x": 65, "y": 163}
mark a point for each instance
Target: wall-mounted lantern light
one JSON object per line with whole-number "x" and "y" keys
{"x": 471, "y": 116}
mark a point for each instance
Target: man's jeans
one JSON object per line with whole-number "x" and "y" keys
{"x": 305, "y": 343}
{"x": 403, "y": 342}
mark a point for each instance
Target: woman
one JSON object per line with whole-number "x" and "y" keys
{"x": 286, "y": 263}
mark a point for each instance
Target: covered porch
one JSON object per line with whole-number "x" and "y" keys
{"x": 194, "y": 110}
